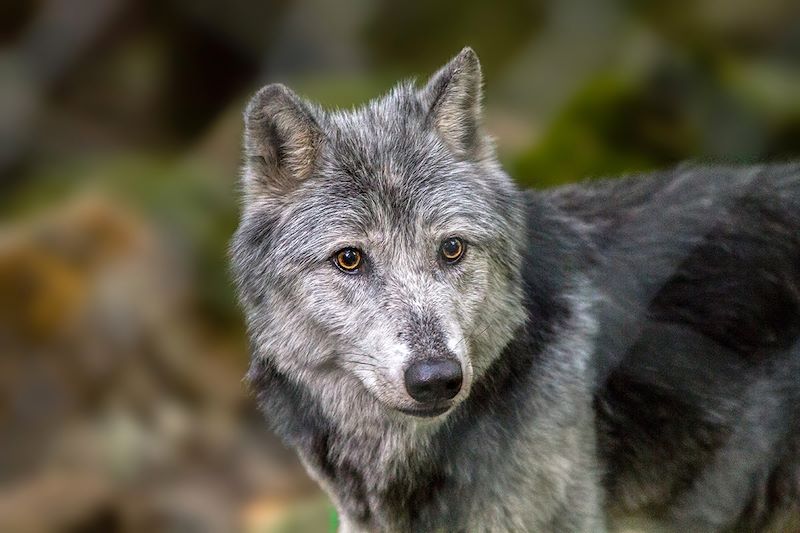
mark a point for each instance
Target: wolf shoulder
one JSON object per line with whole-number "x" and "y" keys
{"x": 697, "y": 272}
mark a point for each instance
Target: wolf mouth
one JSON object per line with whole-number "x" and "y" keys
{"x": 426, "y": 413}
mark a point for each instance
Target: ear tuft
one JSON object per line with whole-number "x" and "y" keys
{"x": 281, "y": 140}
{"x": 453, "y": 96}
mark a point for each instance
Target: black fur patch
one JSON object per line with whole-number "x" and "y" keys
{"x": 652, "y": 440}
{"x": 741, "y": 286}
{"x": 297, "y": 419}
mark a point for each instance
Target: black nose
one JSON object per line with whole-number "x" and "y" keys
{"x": 433, "y": 379}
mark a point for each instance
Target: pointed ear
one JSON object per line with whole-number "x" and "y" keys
{"x": 453, "y": 96}
{"x": 281, "y": 141}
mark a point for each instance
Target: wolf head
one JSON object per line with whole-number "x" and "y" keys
{"x": 379, "y": 250}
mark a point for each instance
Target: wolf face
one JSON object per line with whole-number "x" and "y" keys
{"x": 379, "y": 250}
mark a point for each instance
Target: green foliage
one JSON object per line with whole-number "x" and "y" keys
{"x": 418, "y": 35}
{"x": 608, "y": 128}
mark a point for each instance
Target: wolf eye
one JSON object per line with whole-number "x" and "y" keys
{"x": 452, "y": 250}
{"x": 348, "y": 260}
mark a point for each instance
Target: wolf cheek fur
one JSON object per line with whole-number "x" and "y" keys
{"x": 516, "y": 447}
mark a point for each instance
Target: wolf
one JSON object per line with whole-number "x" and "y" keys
{"x": 448, "y": 352}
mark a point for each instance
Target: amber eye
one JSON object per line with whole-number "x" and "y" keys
{"x": 452, "y": 249}
{"x": 348, "y": 260}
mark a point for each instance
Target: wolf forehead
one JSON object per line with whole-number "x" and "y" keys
{"x": 382, "y": 164}
{"x": 377, "y": 213}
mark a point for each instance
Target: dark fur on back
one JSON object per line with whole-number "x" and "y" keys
{"x": 698, "y": 416}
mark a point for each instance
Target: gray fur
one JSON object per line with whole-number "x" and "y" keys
{"x": 549, "y": 314}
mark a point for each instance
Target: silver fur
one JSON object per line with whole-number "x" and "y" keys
{"x": 517, "y": 448}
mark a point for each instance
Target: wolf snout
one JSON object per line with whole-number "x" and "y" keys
{"x": 430, "y": 380}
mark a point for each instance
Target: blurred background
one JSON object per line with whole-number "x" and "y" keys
{"x": 121, "y": 348}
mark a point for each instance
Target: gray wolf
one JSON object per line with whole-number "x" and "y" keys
{"x": 448, "y": 352}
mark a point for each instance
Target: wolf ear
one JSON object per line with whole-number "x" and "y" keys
{"x": 453, "y": 96}
{"x": 281, "y": 140}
